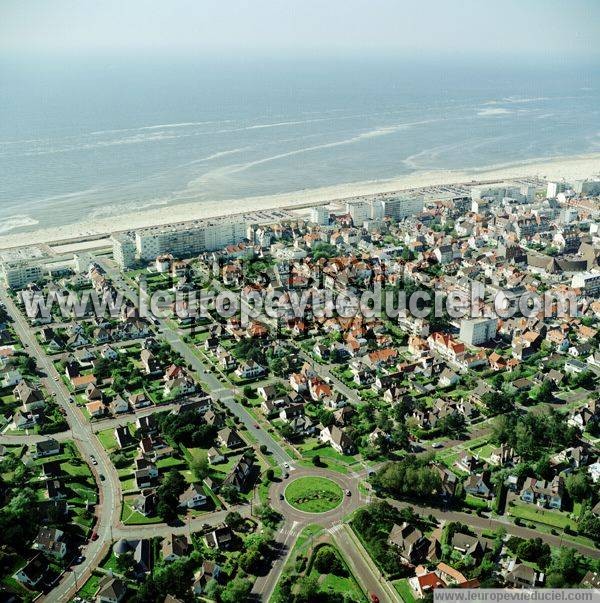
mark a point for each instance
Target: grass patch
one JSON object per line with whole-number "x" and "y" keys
{"x": 88, "y": 590}
{"x": 131, "y": 517}
{"x": 555, "y": 519}
{"x": 107, "y": 439}
{"x": 314, "y": 494}
{"x": 404, "y": 590}
{"x": 336, "y": 585}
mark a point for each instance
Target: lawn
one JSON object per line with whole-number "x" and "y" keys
{"x": 475, "y": 503}
{"x": 555, "y": 519}
{"x": 131, "y": 517}
{"x": 107, "y": 439}
{"x": 335, "y": 585}
{"x": 88, "y": 590}
{"x": 314, "y": 494}
{"x": 310, "y": 449}
{"x": 327, "y": 464}
{"x": 404, "y": 590}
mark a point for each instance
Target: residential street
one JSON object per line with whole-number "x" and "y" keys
{"x": 109, "y": 526}
{"x": 109, "y": 508}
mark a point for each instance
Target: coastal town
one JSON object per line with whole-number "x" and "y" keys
{"x": 329, "y": 454}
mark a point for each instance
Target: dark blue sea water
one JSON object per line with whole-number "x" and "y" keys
{"x": 89, "y": 137}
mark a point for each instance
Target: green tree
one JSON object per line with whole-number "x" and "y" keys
{"x": 236, "y": 591}
{"x": 579, "y": 486}
{"x": 234, "y": 520}
{"x": 200, "y": 466}
{"x": 327, "y": 562}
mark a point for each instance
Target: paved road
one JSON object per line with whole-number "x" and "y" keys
{"x": 33, "y": 438}
{"x": 492, "y": 523}
{"x": 368, "y": 575}
{"x": 125, "y": 418}
{"x": 109, "y": 508}
{"x": 224, "y": 394}
{"x": 296, "y": 521}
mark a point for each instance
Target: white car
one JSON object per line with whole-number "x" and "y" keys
{"x": 437, "y": 445}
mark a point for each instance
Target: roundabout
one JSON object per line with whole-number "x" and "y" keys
{"x": 313, "y": 494}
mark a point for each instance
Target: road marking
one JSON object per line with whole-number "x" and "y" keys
{"x": 335, "y": 527}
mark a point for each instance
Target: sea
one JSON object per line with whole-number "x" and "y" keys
{"x": 94, "y": 137}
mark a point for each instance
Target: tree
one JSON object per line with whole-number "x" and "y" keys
{"x": 452, "y": 425}
{"x": 287, "y": 432}
{"x": 308, "y": 590}
{"x": 497, "y": 403}
{"x": 237, "y": 590}
{"x": 230, "y": 493}
{"x": 579, "y": 486}
{"x": 410, "y": 476}
{"x": 268, "y": 515}
{"x": 589, "y": 524}
{"x": 168, "y": 494}
{"x": 327, "y": 562}
{"x": 543, "y": 393}
{"x": 316, "y": 460}
{"x": 124, "y": 563}
{"x": 535, "y": 550}
{"x": 564, "y": 570}
{"x": 200, "y": 466}
{"x": 234, "y": 520}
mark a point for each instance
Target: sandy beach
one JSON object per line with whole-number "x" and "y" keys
{"x": 567, "y": 168}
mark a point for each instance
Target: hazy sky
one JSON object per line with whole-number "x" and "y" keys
{"x": 558, "y": 28}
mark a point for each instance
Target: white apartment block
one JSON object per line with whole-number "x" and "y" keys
{"x": 522, "y": 193}
{"x": 17, "y": 275}
{"x": 186, "y": 239}
{"x": 402, "y": 206}
{"x": 377, "y": 210}
{"x": 124, "y": 250}
{"x": 554, "y": 188}
{"x": 319, "y": 215}
{"x": 82, "y": 262}
{"x": 359, "y": 211}
{"x": 588, "y": 282}
{"x": 478, "y": 331}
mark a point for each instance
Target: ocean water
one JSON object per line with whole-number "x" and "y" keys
{"x": 96, "y": 137}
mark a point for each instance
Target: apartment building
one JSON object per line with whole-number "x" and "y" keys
{"x": 588, "y": 282}
{"x": 359, "y": 211}
{"x": 319, "y": 215}
{"x": 18, "y": 274}
{"x": 402, "y": 206}
{"x": 124, "y": 250}
{"x": 186, "y": 239}
{"x": 478, "y": 330}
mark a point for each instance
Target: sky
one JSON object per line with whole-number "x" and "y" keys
{"x": 532, "y": 28}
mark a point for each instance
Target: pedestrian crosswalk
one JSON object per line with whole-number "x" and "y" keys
{"x": 335, "y": 527}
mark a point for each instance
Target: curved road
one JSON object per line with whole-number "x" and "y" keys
{"x": 295, "y": 521}
{"x": 109, "y": 508}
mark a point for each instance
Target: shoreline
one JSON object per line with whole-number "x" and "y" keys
{"x": 568, "y": 168}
